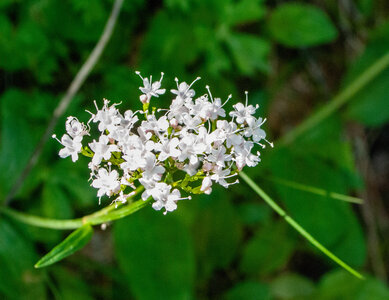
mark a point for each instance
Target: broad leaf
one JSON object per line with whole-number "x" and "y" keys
{"x": 74, "y": 242}
{"x": 341, "y": 285}
{"x": 292, "y": 286}
{"x": 244, "y": 11}
{"x": 301, "y": 25}
{"x": 155, "y": 253}
{"x": 250, "y": 52}
{"x": 17, "y": 274}
{"x": 322, "y": 158}
{"x": 248, "y": 290}
{"x": 217, "y": 232}
{"x": 269, "y": 250}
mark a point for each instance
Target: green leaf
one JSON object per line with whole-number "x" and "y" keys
{"x": 155, "y": 253}
{"x": 74, "y": 242}
{"x": 55, "y": 202}
{"x": 317, "y": 214}
{"x": 251, "y": 213}
{"x": 323, "y": 159}
{"x": 301, "y": 25}
{"x": 370, "y": 105}
{"x": 248, "y": 290}
{"x": 72, "y": 285}
{"x": 244, "y": 11}
{"x": 296, "y": 225}
{"x": 249, "y": 52}
{"x": 17, "y": 256}
{"x": 217, "y": 232}
{"x": 341, "y": 285}
{"x": 268, "y": 251}
{"x": 292, "y": 286}
{"x": 15, "y": 131}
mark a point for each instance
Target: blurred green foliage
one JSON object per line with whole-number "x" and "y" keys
{"x": 227, "y": 245}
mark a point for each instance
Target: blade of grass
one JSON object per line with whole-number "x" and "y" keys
{"x": 315, "y": 190}
{"x": 339, "y": 100}
{"x": 296, "y": 226}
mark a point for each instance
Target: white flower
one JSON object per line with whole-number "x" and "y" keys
{"x": 72, "y": 146}
{"x": 106, "y": 182}
{"x": 206, "y": 185}
{"x": 150, "y": 88}
{"x": 243, "y": 113}
{"x": 168, "y": 148}
{"x": 134, "y": 160}
{"x": 184, "y": 90}
{"x": 219, "y": 156}
{"x": 190, "y": 148}
{"x": 102, "y": 149}
{"x": 254, "y": 130}
{"x": 75, "y": 128}
{"x": 152, "y": 124}
{"x": 243, "y": 156}
{"x": 152, "y": 171}
{"x": 108, "y": 117}
{"x": 219, "y": 175}
{"x": 191, "y": 123}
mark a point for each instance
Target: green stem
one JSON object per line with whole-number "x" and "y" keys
{"x": 339, "y": 100}
{"x": 296, "y": 226}
{"x": 107, "y": 214}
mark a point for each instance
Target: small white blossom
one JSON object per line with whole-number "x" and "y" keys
{"x": 75, "y": 128}
{"x": 106, "y": 182}
{"x": 72, "y": 146}
{"x": 102, "y": 149}
{"x": 150, "y": 88}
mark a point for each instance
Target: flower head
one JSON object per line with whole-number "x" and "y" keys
{"x": 171, "y": 153}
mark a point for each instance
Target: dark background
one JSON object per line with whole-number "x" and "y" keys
{"x": 293, "y": 59}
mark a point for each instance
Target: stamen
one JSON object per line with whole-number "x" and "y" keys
{"x": 228, "y": 99}
{"x": 97, "y": 108}
{"x": 209, "y": 91}
{"x": 229, "y": 176}
{"x": 162, "y": 73}
{"x": 197, "y": 79}
{"x": 55, "y": 137}
{"x": 138, "y": 73}
{"x": 262, "y": 145}
{"x": 271, "y": 144}
{"x": 247, "y": 97}
{"x": 209, "y": 126}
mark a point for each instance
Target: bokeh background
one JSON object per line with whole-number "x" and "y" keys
{"x": 293, "y": 58}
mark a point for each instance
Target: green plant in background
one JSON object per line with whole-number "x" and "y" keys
{"x": 222, "y": 245}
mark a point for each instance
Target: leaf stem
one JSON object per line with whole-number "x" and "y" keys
{"x": 339, "y": 100}
{"x": 104, "y": 215}
{"x": 297, "y": 226}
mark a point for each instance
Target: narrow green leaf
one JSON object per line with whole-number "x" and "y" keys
{"x": 370, "y": 104}
{"x": 339, "y": 100}
{"x": 74, "y": 242}
{"x": 315, "y": 190}
{"x": 297, "y": 226}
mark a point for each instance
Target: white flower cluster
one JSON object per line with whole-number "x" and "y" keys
{"x": 184, "y": 150}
